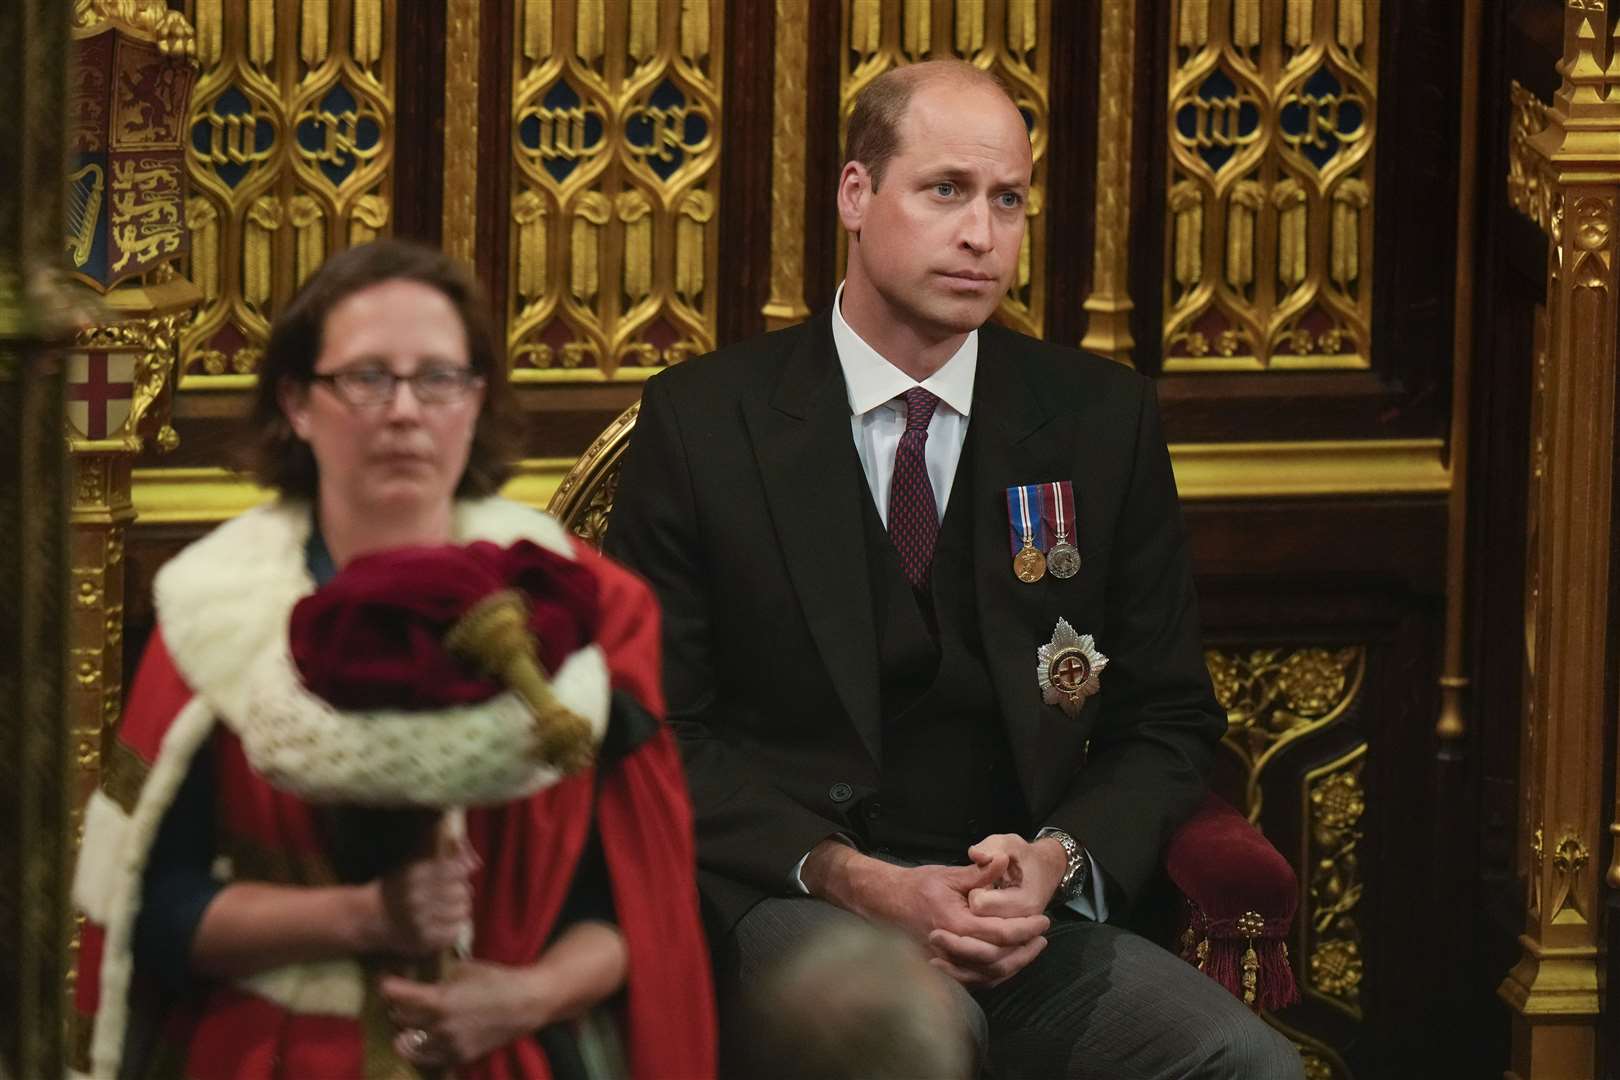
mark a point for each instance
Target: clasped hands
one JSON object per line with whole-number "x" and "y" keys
{"x": 477, "y": 1007}
{"x": 982, "y": 923}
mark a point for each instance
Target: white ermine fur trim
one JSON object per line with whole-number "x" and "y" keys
{"x": 127, "y": 866}
{"x": 468, "y": 755}
{"x": 106, "y": 837}
{"x": 225, "y": 600}
{"x": 321, "y": 988}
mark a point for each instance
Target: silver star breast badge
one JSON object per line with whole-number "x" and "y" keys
{"x": 1068, "y": 668}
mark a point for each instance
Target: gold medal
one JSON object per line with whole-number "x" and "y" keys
{"x": 1029, "y": 564}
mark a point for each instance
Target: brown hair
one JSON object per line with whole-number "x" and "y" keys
{"x": 873, "y": 136}
{"x": 278, "y": 459}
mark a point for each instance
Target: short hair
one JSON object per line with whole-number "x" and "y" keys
{"x": 873, "y": 135}
{"x": 278, "y": 459}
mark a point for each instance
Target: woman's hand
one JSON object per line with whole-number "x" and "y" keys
{"x": 424, "y": 906}
{"x": 480, "y": 1007}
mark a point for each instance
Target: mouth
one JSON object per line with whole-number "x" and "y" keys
{"x": 975, "y": 280}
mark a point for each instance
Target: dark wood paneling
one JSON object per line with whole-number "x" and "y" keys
{"x": 496, "y": 27}
{"x": 419, "y": 121}
{"x": 747, "y": 127}
{"x": 823, "y": 158}
{"x": 1071, "y": 177}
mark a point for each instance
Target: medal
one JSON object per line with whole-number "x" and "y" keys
{"x": 1062, "y": 558}
{"x": 1069, "y": 669}
{"x": 1029, "y": 565}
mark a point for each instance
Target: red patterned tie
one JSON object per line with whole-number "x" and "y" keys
{"x": 913, "y": 513}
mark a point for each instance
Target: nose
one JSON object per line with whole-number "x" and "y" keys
{"x": 977, "y": 235}
{"x": 404, "y": 405}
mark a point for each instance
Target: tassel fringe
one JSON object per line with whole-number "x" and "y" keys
{"x": 1247, "y": 955}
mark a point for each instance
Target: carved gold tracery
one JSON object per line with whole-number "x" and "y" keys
{"x": 1330, "y": 934}
{"x": 1008, "y": 37}
{"x": 1271, "y": 131}
{"x": 1275, "y": 696}
{"x": 616, "y": 123}
{"x": 291, "y": 159}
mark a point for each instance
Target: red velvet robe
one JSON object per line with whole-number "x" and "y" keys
{"x": 529, "y": 849}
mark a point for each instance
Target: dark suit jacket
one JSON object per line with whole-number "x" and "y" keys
{"x": 740, "y": 501}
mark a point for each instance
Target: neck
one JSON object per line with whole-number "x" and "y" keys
{"x": 351, "y": 533}
{"x": 916, "y": 350}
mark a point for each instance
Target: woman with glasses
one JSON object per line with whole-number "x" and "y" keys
{"x": 233, "y": 929}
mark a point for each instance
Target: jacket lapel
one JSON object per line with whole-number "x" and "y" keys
{"x": 1016, "y": 441}
{"x": 802, "y": 440}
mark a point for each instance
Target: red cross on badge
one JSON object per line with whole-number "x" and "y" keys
{"x": 100, "y": 391}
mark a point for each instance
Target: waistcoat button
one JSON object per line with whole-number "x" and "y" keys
{"x": 840, "y": 792}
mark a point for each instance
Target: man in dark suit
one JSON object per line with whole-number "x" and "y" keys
{"x": 830, "y": 514}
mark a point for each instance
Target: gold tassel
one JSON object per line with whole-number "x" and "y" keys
{"x": 1250, "y": 925}
{"x": 1020, "y": 25}
{"x": 312, "y": 38}
{"x": 261, "y": 33}
{"x": 368, "y": 31}
{"x": 304, "y": 213}
{"x": 636, "y": 214}
{"x": 694, "y": 29}
{"x": 696, "y": 210}
{"x": 643, "y": 29}
{"x": 1203, "y": 953}
{"x": 210, "y": 32}
{"x": 529, "y": 213}
{"x": 203, "y": 221}
{"x": 263, "y": 218}
{"x": 1245, "y": 23}
{"x": 368, "y": 218}
{"x": 588, "y": 29}
{"x": 1352, "y": 28}
{"x": 1189, "y": 944}
{"x": 969, "y": 26}
{"x": 865, "y": 26}
{"x": 918, "y": 29}
{"x": 1194, "y": 30}
{"x": 1301, "y": 16}
{"x": 590, "y": 215}
{"x": 537, "y": 29}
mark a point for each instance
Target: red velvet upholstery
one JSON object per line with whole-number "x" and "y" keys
{"x": 1241, "y": 898}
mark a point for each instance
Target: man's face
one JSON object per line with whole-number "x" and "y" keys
{"x": 938, "y": 239}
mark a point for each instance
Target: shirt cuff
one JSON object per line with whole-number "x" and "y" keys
{"x": 798, "y": 868}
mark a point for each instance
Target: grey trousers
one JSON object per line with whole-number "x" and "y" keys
{"x": 1099, "y": 1002}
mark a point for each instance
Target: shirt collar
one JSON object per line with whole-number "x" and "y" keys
{"x": 872, "y": 381}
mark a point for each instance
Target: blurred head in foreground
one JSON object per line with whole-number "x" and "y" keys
{"x": 855, "y": 1001}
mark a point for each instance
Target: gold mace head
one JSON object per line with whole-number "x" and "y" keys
{"x": 494, "y": 636}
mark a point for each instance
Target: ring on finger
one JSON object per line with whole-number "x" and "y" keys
{"x": 416, "y": 1041}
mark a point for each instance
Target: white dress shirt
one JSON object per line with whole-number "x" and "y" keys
{"x": 877, "y": 419}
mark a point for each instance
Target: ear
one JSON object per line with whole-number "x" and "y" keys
{"x": 294, "y": 399}
{"x": 854, "y": 191}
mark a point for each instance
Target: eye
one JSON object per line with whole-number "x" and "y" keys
{"x": 440, "y": 378}
{"x": 368, "y": 378}
{"x": 945, "y": 189}
{"x": 1011, "y": 200}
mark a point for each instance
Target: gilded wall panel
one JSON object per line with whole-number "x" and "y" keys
{"x": 615, "y": 160}
{"x": 1008, "y": 37}
{"x": 1271, "y": 125}
{"x": 290, "y": 152}
{"x": 1329, "y": 926}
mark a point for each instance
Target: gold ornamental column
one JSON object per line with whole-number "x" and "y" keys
{"x": 123, "y": 230}
{"x": 1567, "y": 176}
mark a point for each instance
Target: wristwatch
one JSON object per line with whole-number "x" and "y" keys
{"x": 1074, "y": 876}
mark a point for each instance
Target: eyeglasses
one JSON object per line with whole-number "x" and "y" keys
{"x": 365, "y": 387}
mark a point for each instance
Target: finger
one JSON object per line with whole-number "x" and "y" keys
{"x": 1009, "y": 931}
{"x": 968, "y": 878}
{"x": 1013, "y": 902}
{"x": 990, "y": 846}
{"x": 967, "y": 951}
{"x": 1017, "y": 961}
{"x": 420, "y": 1001}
